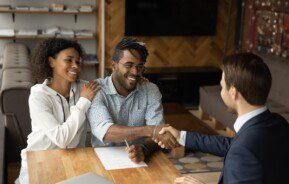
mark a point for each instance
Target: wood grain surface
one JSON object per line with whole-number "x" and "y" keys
{"x": 51, "y": 166}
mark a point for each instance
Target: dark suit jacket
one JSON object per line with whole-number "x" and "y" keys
{"x": 259, "y": 153}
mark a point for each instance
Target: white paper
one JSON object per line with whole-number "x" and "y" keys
{"x": 116, "y": 158}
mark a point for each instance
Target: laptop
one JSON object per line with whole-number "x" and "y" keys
{"x": 88, "y": 178}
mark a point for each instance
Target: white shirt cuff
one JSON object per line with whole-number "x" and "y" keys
{"x": 83, "y": 104}
{"x": 182, "y": 140}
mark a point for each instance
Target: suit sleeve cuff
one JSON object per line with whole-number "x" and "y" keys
{"x": 182, "y": 140}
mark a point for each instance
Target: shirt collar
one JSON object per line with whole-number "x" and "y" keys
{"x": 48, "y": 81}
{"x": 112, "y": 90}
{"x": 241, "y": 120}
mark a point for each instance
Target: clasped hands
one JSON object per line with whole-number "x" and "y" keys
{"x": 164, "y": 135}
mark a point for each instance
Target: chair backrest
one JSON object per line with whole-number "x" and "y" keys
{"x": 15, "y": 90}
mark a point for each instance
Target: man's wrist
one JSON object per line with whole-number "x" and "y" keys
{"x": 149, "y": 131}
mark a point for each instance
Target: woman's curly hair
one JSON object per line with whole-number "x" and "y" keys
{"x": 50, "y": 47}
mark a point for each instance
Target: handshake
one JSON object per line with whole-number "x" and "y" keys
{"x": 166, "y": 136}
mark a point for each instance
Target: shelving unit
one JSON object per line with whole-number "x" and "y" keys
{"x": 86, "y": 40}
{"x": 45, "y": 12}
{"x": 42, "y": 37}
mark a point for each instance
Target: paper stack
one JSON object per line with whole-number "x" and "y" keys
{"x": 51, "y": 31}
{"x": 7, "y": 32}
{"x": 85, "y": 8}
{"x": 42, "y": 9}
{"x": 22, "y": 8}
{"x": 66, "y": 33}
{"x": 84, "y": 33}
{"x": 26, "y": 33}
{"x": 71, "y": 10}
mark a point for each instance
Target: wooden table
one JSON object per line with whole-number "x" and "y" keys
{"x": 52, "y": 166}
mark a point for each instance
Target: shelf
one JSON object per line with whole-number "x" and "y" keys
{"x": 45, "y": 12}
{"x": 13, "y": 12}
{"x": 42, "y": 37}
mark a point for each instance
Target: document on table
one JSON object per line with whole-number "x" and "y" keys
{"x": 116, "y": 158}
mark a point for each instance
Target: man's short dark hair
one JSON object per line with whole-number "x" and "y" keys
{"x": 249, "y": 75}
{"x": 130, "y": 44}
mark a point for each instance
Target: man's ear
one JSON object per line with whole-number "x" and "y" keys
{"x": 51, "y": 61}
{"x": 113, "y": 65}
{"x": 233, "y": 92}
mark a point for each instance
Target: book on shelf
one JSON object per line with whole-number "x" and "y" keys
{"x": 27, "y": 32}
{"x": 51, "y": 31}
{"x": 57, "y": 7}
{"x": 7, "y": 32}
{"x": 84, "y": 33}
{"x": 67, "y": 32}
{"x": 41, "y": 9}
{"x": 71, "y": 10}
{"x": 86, "y": 8}
{"x": 5, "y": 8}
{"x": 21, "y": 8}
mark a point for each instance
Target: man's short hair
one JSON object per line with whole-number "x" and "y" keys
{"x": 130, "y": 44}
{"x": 249, "y": 75}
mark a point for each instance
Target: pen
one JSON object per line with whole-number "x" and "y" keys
{"x": 126, "y": 143}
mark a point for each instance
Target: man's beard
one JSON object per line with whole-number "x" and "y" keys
{"x": 122, "y": 81}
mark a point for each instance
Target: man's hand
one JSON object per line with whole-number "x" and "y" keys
{"x": 187, "y": 180}
{"x": 165, "y": 139}
{"x": 172, "y": 131}
{"x": 135, "y": 153}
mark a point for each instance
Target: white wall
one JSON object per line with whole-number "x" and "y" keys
{"x": 43, "y": 21}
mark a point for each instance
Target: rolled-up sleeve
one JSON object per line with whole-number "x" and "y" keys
{"x": 99, "y": 117}
{"x": 154, "y": 114}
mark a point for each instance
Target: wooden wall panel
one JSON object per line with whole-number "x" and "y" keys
{"x": 174, "y": 51}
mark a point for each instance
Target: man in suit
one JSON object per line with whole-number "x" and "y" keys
{"x": 259, "y": 152}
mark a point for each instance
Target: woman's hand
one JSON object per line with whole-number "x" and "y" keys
{"x": 143, "y": 80}
{"x": 89, "y": 90}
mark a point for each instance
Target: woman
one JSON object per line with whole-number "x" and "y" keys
{"x": 59, "y": 102}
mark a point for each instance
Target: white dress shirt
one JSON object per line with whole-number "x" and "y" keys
{"x": 240, "y": 121}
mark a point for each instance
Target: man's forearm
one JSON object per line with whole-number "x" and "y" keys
{"x": 117, "y": 133}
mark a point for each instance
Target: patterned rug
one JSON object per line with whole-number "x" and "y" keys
{"x": 197, "y": 162}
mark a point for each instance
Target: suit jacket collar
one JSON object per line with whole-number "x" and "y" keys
{"x": 255, "y": 120}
